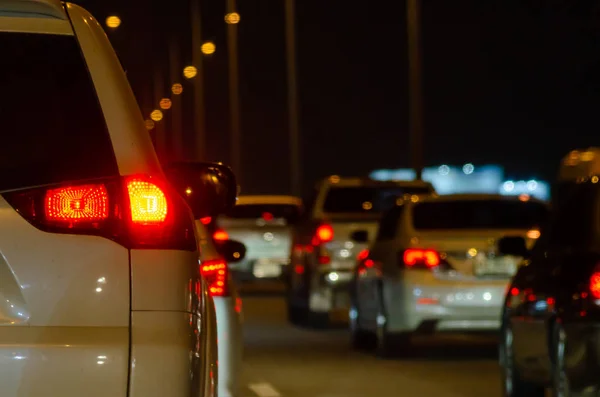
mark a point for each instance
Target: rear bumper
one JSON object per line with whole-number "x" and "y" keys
{"x": 229, "y": 334}
{"x": 448, "y": 308}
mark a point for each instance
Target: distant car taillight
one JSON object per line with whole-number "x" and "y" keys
{"x": 215, "y": 274}
{"x": 136, "y": 212}
{"x": 420, "y": 258}
{"x": 324, "y": 233}
{"x": 595, "y": 285}
{"x": 220, "y": 235}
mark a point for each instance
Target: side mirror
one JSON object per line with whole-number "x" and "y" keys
{"x": 360, "y": 236}
{"x": 231, "y": 250}
{"x": 513, "y": 245}
{"x": 210, "y": 189}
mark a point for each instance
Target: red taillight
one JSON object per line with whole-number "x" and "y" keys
{"x": 416, "y": 257}
{"x": 324, "y": 233}
{"x": 267, "y": 216}
{"x": 221, "y": 235}
{"x": 76, "y": 204}
{"x": 137, "y": 212}
{"x": 595, "y": 285}
{"x": 215, "y": 274}
{"x": 206, "y": 220}
{"x": 362, "y": 255}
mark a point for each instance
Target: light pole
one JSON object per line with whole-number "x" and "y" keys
{"x": 198, "y": 81}
{"x": 234, "y": 92}
{"x": 293, "y": 117}
{"x": 413, "y": 18}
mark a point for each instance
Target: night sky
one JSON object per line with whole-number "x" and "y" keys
{"x": 505, "y": 81}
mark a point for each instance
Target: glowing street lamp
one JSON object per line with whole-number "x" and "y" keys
{"x": 165, "y": 103}
{"x": 208, "y": 48}
{"x": 113, "y": 21}
{"x": 232, "y": 18}
{"x": 177, "y": 89}
{"x": 156, "y": 115}
{"x": 149, "y": 124}
{"x": 189, "y": 72}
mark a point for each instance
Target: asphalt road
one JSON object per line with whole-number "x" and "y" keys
{"x": 284, "y": 361}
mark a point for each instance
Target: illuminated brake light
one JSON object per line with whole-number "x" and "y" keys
{"x": 362, "y": 255}
{"x": 267, "y": 216}
{"x": 147, "y": 201}
{"x": 595, "y": 285}
{"x": 429, "y": 258}
{"x": 206, "y": 220}
{"x": 221, "y": 235}
{"x": 85, "y": 203}
{"x": 215, "y": 274}
{"x": 325, "y": 233}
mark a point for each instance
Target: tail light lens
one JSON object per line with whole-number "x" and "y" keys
{"x": 136, "y": 212}
{"x": 423, "y": 258}
{"x": 215, "y": 274}
{"x": 221, "y": 235}
{"x": 324, "y": 233}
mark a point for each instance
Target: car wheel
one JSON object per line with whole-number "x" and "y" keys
{"x": 512, "y": 384}
{"x": 390, "y": 344}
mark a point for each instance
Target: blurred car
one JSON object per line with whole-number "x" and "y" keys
{"x": 323, "y": 255}
{"x": 214, "y": 259}
{"x": 551, "y": 318}
{"x": 100, "y": 288}
{"x": 434, "y": 266}
{"x": 263, "y": 224}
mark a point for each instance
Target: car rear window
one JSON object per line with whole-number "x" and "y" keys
{"x": 289, "y": 212}
{"x": 479, "y": 214}
{"x": 53, "y": 128}
{"x": 367, "y": 199}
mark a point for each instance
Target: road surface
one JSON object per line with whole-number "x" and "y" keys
{"x": 283, "y": 361}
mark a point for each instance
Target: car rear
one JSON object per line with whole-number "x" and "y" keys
{"x": 451, "y": 276}
{"x": 98, "y": 260}
{"x": 264, "y": 224}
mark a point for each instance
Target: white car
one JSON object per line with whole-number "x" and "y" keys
{"x": 100, "y": 289}
{"x": 215, "y": 256}
{"x": 434, "y": 266}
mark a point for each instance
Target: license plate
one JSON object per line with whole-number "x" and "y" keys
{"x": 496, "y": 266}
{"x": 262, "y": 270}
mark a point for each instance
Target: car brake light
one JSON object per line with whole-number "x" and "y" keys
{"x": 76, "y": 204}
{"x": 595, "y": 285}
{"x": 362, "y": 255}
{"x": 325, "y": 233}
{"x": 267, "y": 216}
{"x": 419, "y": 257}
{"x": 136, "y": 212}
{"x": 206, "y": 220}
{"x": 148, "y": 203}
{"x": 215, "y": 274}
{"x": 221, "y": 235}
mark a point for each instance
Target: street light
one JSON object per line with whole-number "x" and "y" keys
{"x": 177, "y": 89}
{"x": 232, "y": 18}
{"x": 165, "y": 104}
{"x": 149, "y": 124}
{"x": 156, "y": 115}
{"x": 113, "y": 21}
{"x": 208, "y": 48}
{"x": 189, "y": 72}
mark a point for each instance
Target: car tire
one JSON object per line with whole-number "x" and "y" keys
{"x": 512, "y": 383}
{"x": 560, "y": 380}
{"x": 360, "y": 339}
{"x": 390, "y": 344}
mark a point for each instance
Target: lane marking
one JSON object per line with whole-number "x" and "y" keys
{"x": 264, "y": 390}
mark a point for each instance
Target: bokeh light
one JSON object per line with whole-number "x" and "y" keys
{"x": 156, "y": 115}
{"x": 232, "y": 18}
{"x": 165, "y": 103}
{"x": 208, "y": 48}
{"x": 189, "y": 72}
{"x": 177, "y": 89}
{"x": 113, "y": 21}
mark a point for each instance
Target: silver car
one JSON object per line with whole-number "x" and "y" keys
{"x": 263, "y": 224}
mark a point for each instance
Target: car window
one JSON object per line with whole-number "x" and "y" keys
{"x": 367, "y": 199}
{"x": 389, "y": 223}
{"x": 53, "y": 127}
{"x": 479, "y": 214}
{"x": 289, "y": 212}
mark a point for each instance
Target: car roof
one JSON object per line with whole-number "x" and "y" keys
{"x": 268, "y": 199}
{"x": 35, "y": 8}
